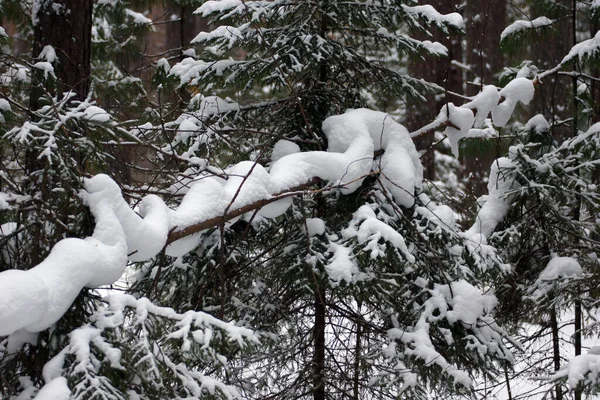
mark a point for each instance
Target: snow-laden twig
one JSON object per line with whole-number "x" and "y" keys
{"x": 353, "y": 139}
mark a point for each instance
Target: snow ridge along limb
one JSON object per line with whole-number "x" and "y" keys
{"x": 34, "y": 300}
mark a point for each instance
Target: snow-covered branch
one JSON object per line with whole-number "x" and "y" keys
{"x": 501, "y": 103}
{"x": 353, "y": 139}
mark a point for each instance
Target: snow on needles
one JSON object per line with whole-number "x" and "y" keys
{"x": 521, "y": 25}
{"x": 100, "y": 259}
{"x": 500, "y": 103}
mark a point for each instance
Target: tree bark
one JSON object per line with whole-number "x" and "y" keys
{"x": 442, "y": 72}
{"x": 555, "y": 347}
{"x": 485, "y": 21}
{"x": 319, "y": 337}
{"x": 66, "y": 25}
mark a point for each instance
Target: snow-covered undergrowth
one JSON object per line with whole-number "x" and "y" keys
{"x": 121, "y": 235}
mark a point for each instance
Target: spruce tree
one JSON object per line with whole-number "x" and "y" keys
{"x": 358, "y": 287}
{"x": 288, "y": 67}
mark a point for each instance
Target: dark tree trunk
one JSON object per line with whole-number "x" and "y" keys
{"x": 319, "y": 337}
{"x": 485, "y": 21}
{"x": 66, "y": 25}
{"x": 442, "y": 72}
{"x": 555, "y": 347}
{"x": 548, "y": 50}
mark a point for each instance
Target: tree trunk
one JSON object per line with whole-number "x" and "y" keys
{"x": 485, "y": 21}
{"x": 319, "y": 337}
{"x": 66, "y": 25}
{"x": 577, "y": 339}
{"x": 548, "y": 51}
{"x": 442, "y": 72}
{"x": 555, "y": 347}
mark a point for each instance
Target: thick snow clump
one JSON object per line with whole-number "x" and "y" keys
{"x": 34, "y": 300}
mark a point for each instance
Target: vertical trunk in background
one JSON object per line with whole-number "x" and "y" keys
{"x": 595, "y": 85}
{"x": 442, "y": 72}
{"x": 548, "y": 51}
{"x": 485, "y": 21}
{"x": 66, "y": 25}
{"x": 555, "y": 348}
{"x": 319, "y": 340}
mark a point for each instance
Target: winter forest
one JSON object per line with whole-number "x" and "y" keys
{"x": 299, "y": 199}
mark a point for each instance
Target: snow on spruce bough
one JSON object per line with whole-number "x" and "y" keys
{"x": 35, "y": 299}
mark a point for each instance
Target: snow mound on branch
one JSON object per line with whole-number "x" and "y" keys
{"x": 368, "y": 229}
{"x": 561, "y": 267}
{"x": 559, "y": 270}
{"x": 461, "y": 120}
{"x": 517, "y": 90}
{"x": 96, "y": 114}
{"x": 501, "y": 182}
{"x": 537, "y": 124}
{"x": 37, "y": 298}
{"x": 468, "y": 304}
{"x": 57, "y": 389}
{"x": 431, "y": 14}
{"x": 500, "y": 103}
{"x": 315, "y": 226}
{"x": 521, "y": 25}
{"x": 581, "y": 369}
{"x": 210, "y": 7}
{"x": 587, "y": 48}
{"x": 283, "y": 148}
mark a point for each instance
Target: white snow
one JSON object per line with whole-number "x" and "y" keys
{"x": 484, "y": 103}
{"x": 584, "y": 368}
{"x": 461, "y": 120}
{"x": 559, "y": 270}
{"x": 210, "y": 7}
{"x": 57, "y": 389}
{"x": 283, "y": 148}
{"x": 315, "y": 226}
{"x": 53, "y": 284}
{"x": 519, "y": 89}
{"x": 137, "y": 17}
{"x": 48, "y": 53}
{"x": 4, "y": 105}
{"x": 3, "y": 32}
{"x": 537, "y": 124}
{"x": 368, "y": 229}
{"x": 496, "y": 206}
{"x": 431, "y": 14}
{"x": 231, "y": 33}
{"x": 521, "y": 25}
{"x": 584, "y": 49}
{"x": 342, "y": 266}
{"x": 468, "y": 304}
{"x": 101, "y": 259}
{"x": 561, "y": 267}
{"x": 96, "y": 114}
{"x": 4, "y": 197}
{"x": 213, "y": 105}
